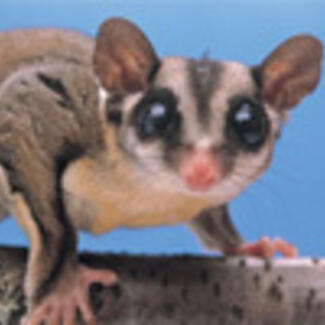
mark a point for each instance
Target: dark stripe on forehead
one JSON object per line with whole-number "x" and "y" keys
{"x": 204, "y": 76}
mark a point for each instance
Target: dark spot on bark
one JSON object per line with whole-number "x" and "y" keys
{"x": 204, "y": 276}
{"x": 242, "y": 263}
{"x": 310, "y": 299}
{"x": 184, "y": 294}
{"x": 275, "y": 292}
{"x": 133, "y": 273}
{"x": 165, "y": 281}
{"x": 169, "y": 309}
{"x": 257, "y": 281}
{"x": 280, "y": 279}
{"x": 238, "y": 312}
{"x": 152, "y": 273}
{"x": 216, "y": 289}
{"x": 319, "y": 306}
{"x": 268, "y": 265}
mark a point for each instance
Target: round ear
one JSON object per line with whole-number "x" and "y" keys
{"x": 291, "y": 71}
{"x": 124, "y": 59}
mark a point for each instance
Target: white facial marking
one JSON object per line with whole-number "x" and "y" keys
{"x": 235, "y": 79}
{"x": 102, "y": 96}
{"x": 205, "y": 142}
{"x": 173, "y": 75}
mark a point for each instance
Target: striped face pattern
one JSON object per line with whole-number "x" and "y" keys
{"x": 200, "y": 128}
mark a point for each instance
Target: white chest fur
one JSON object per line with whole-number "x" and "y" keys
{"x": 99, "y": 201}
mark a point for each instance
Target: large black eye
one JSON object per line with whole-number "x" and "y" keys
{"x": 156, "y": 115}
{"x": 247, "y": 123}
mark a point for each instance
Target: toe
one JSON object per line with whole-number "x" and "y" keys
{"x": 286, "y": 249}
{"x": 85, "y": 309}
{"x": 104, "y": 277}
{"x": 266, "y": 246}
{"x": 55, "y": 317}
{"x": 69, "y": 315}
{"x": 60, "y": 307}
{"x": 38, "y": 315}
{"x": 262, "y": 248}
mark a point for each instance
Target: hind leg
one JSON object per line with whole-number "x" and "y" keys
{"x": 56, "y": 284}
{"x": 71, "y": 293}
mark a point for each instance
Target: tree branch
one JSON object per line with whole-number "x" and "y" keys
{"x": 189, "y": 290}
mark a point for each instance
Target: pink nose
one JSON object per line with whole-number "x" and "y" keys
{"x": 200, "y": 177}
{"x": 201, "y": 170}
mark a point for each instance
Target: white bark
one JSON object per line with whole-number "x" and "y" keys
{"x": 190, "y": 290}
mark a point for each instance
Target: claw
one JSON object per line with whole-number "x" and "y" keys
{"x": 61, "y": 305}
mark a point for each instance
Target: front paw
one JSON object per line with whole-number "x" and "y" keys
{"x": 265, "y": 247}
{"x": 71, "y": 294}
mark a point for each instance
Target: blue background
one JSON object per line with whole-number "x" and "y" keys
{"x": 288, "y": 201}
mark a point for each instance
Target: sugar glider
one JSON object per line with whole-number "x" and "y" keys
{"x": 102, "y": 135}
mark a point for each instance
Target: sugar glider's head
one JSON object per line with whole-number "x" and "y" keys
{"x": 201, "y": 127}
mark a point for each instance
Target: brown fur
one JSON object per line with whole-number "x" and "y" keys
{"x": 48, "y": 103}
{"x": 64, "y": 167}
